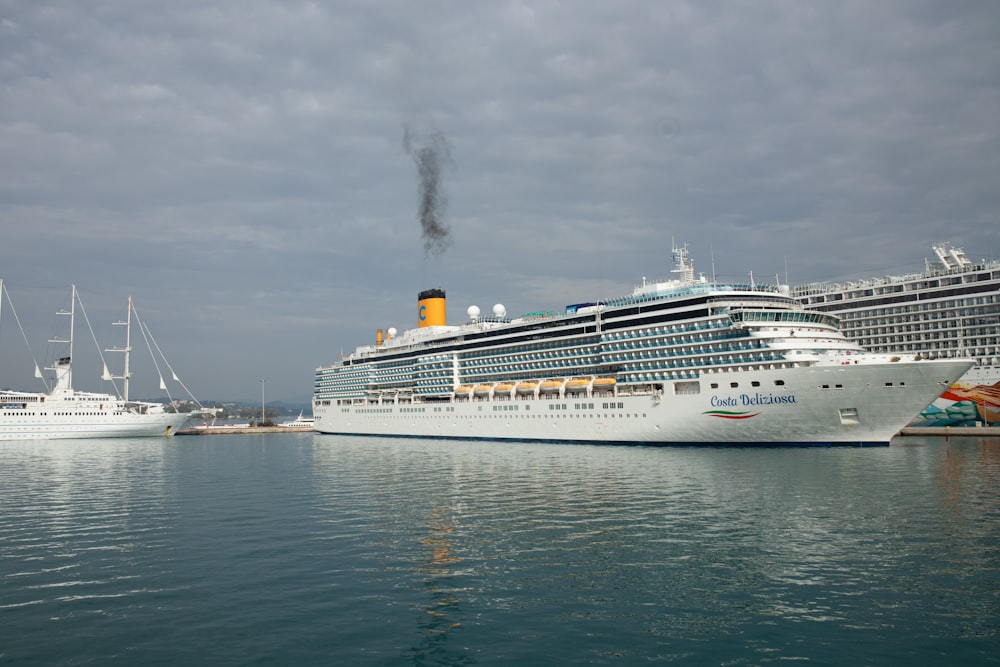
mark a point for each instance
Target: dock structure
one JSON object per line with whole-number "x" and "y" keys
{"x": 242, "y": 430}
{"x": 953, "y": 431}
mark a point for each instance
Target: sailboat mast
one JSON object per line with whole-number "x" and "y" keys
{"x": 72, "y": 323}
{"x": 128, "y": 347}
{"x": 127, "y": 350}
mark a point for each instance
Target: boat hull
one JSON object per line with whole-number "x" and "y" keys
{"x": 972, "y": 401}
{"x": 821, "y": 405}
{"x": 15, "y": 426}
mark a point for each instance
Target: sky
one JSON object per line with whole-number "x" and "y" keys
{"x": 251, "y": 171}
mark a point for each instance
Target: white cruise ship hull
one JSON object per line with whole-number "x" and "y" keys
{"x": 823, "y": 405}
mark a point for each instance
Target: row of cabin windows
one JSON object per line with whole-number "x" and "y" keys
{"x": 754, "y": 383}
{"x": 779, "y": 383}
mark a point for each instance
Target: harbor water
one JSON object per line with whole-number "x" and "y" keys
{"x": 299, "y": 548}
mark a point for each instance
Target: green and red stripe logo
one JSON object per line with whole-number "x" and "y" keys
{"x": 730, "y": 414}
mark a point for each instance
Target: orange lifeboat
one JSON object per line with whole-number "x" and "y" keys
{"x": 551, "y": 386}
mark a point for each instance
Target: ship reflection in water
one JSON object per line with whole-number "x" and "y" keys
{"x": 307, "y": 549}
{"x": 442, "y": 613}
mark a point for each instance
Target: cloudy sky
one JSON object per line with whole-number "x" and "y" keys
{"x": 247, "y": 170}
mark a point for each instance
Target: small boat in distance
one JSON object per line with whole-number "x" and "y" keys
{"x": 300, "y": 423}
{"x": 63, "y": 412}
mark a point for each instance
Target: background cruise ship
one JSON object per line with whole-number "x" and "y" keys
{"x": 950, "y": 310}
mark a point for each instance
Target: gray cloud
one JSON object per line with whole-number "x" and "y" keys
{"x": 237, "y": 167}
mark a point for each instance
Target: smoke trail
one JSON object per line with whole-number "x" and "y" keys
{"x": 431, "y": 156}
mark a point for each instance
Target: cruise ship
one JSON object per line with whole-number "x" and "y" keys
{"x": 949, "y": 310}
{"x": 678, "y": 361}
{"x": 64, "y": 413}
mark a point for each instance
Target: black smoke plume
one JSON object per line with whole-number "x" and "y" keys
{"x": 432, "y": 155}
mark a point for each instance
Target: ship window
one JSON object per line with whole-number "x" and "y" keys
{"x": 755, "y": 383}
{"x": 734, "y": 385}
{"x": 687, "y": 388}
{"x": 715, "y": 385}
{"x": 779, "y": 383}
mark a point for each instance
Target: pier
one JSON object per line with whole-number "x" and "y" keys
{"x": 953, "y": 431}
{"x": 242, "y": 430}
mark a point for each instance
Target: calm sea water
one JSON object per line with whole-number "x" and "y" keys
{"x": 308, "y": 549}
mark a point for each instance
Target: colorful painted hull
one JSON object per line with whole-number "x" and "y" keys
{"x": 965, "y": 403}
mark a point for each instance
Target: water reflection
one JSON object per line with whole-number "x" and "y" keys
{"x": 81, "y": 526}
{"x": 441, "y": 614}
{"x": 684, "y": 542}
{"x": 63, "y": 502}
{"x": 381, "y": 551}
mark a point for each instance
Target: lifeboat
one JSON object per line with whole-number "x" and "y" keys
{"x": 503, "y": 388}
{"x": 551, "y": 386}
{"x": 527, "y": 387}
{"x": 578, "y": 385}
{"x": 463, "y": 390}
{"x": 482, "y": 390}
{"x": 604, "y": 384}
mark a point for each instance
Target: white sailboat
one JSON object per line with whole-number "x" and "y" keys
{"x": 63, "y": 412}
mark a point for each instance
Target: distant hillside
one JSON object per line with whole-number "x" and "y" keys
{"x": 283, "y": 407}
